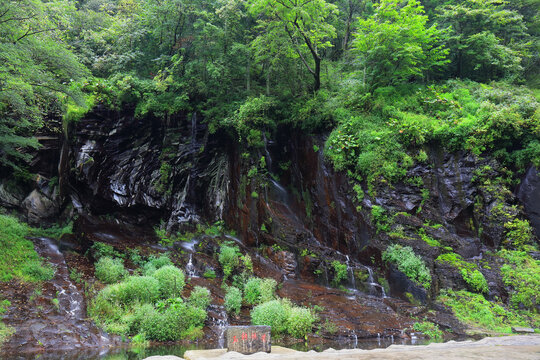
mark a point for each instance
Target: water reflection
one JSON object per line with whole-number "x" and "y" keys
{"x": 136, "y": 353}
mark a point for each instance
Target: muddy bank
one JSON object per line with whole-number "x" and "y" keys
{"x": 507, "y": 347}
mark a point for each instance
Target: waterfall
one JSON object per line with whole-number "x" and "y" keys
{"x": 350, "y": 272}
{"x": 190, "y": 268}
{"x": 219, "y": 323}
{"x": 373, "y": 285}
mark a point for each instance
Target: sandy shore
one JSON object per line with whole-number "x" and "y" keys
{"x": 522, "y": 347}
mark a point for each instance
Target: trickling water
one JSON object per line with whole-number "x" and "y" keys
{"x": 220, "y": 322}
{"x": 190, "y": 268}
{"x": 373, "y": 285}
{"x": 350, "y": 271}
{"x": 355, "y": 337}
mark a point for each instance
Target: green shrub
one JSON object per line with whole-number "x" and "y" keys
{"x": 475, "y": 310}
{"x": 252, "y": 291}
{"x": 476, "y": 281}
{"x": 37, "y": 272}
{"x": 268, "y": 289}
{"x": 408, "y": 263}
{"x": 110, "y": 270}
{"x": 233, "y": 300}
{"x": 429, "y": 329}
{"x": 209, "y": 274}
{"x": 299, "y": 322}
{"x": 156, "y": 263}
{"x": 229, "y": 259}
{"x": 272, "y": 313}
{"x": 99, "y": 250}
{"x": 200, "y": 297}
{"x": 144, "y": 289}
{"x": 161, "y": 326}
{"x": 171, "y": 280}
{"x": 518, "y": 233}
{"x": 522, "y": 274}
{"x": 340, "y": 272}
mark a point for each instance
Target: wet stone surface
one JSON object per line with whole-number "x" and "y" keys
{"x": 248, "y": 339}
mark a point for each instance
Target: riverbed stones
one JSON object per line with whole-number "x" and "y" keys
{"x": 522, "y": 330}
{"x": 248, "y": 339}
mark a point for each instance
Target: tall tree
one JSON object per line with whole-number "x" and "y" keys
{"x": 305, "y": 23}
{"x": 36, "y": 69}
{"x": 396, "y": 44}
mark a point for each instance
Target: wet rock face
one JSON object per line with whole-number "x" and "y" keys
{"x": 148, "y": 166}
{"x": 529, "y": 194}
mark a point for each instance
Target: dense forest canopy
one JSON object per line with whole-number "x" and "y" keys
{"x": 247, "y": 65}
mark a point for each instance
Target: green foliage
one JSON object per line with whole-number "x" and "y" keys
{"x": 469, "y": 272}
{"x": 200, "y": 297}
{"x": 99, "y": 250}
{"x": 522, "y": 274}
{"x": 18, "y": 259}
{"x": 5, "y": 332}
{"x": 475, "y": 310}
{"x": 229, "y": 258}
{"x": 233, "y": 300}
{"x": 137, "y": 288}
{"x": 171, "y": 280}
{"x": 396, "y": 44}
{"x": 37, "y": 69}
{"x": 110, "y": 270}
{"x": 429, "y": 329}
{"x": 257, "y": 291}
{"x": 408, "y": 263}
{"x": 209, "y": 274}
{"x": 174, "y": 322}
{"x": 381, "y": 219}
{"x": 283, "y": 317}
{"x": 340, "y": 272}
{"x": 518, "y": 233}
{"x": 155, "y": 263}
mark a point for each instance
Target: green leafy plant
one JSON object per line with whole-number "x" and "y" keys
{"x": 233, "y": 300}
{"x": 340, "y": 272}
{"x": 110, "y": 270}
{"x": 429, "y": 329}
{"x": 229, "y": 259}
{"x": 171, "y": 280}
{"x": 408, "y": 263}
{"x": 200, "y": 297}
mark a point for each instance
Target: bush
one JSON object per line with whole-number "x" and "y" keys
{"x": 110, "y": 270}
{"x": 200, "y": 297}
{"x": 299, "y": 322}
{"x": 37, "y": 272}
{"x": 408, "y": 263}
{"x": 476, "y": 281}
{"x": 340, "y": 272}
{"x": 144, "y": 289}
{"x": 272, "y": 313}
{"x": 522, "y": 274}
{"x": 233, "y": 300}
{"x": 99, "y": 250}
{"x": 156, "y": 263}
{"x": 429, "y": 329}
{"x": 268, "y": 289}
{"x": 252, "y": 291}
{"x": 171, "y": 280}
{"x": 161, "y": 326}
{"x": 229, "y": 259}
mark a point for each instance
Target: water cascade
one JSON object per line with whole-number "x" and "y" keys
{"x": 219, "y": 323}
{"x": 190, "y": 268}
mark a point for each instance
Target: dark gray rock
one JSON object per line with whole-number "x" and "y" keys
{"x": 529, "y": 195}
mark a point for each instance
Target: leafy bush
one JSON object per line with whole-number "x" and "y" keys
{"x": 200, "y": 297}
{"x": 144, "y": 289}
{"x": 518, "y": 233}
{"x": 171, "y": 280}
{"x": 470, "y": 274}
{"x": 340, "y": 272}
{"x": 252, "y": 291}
{"x": 229, "y": 259}
{"x": 156, "y": 263}
{"x": 476, "y": 280}
{"x": 522, "y": 274}
{"x": 299, "y": 322}
{"x": 408, "y": 263}
{"x": 429, "y": 329}
{"x": 99, "y": 250}
{"x": 268, "y": 289}
{"x": 272, "y": 313}
{"x": 233, "y": 300}
{"x": 110, "y": 270}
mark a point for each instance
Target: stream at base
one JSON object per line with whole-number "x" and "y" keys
{"x": 136, "y": 353}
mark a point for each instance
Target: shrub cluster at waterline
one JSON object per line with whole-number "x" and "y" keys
{"x": 284, "y": 317}
{"x": 149, "y": 307}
